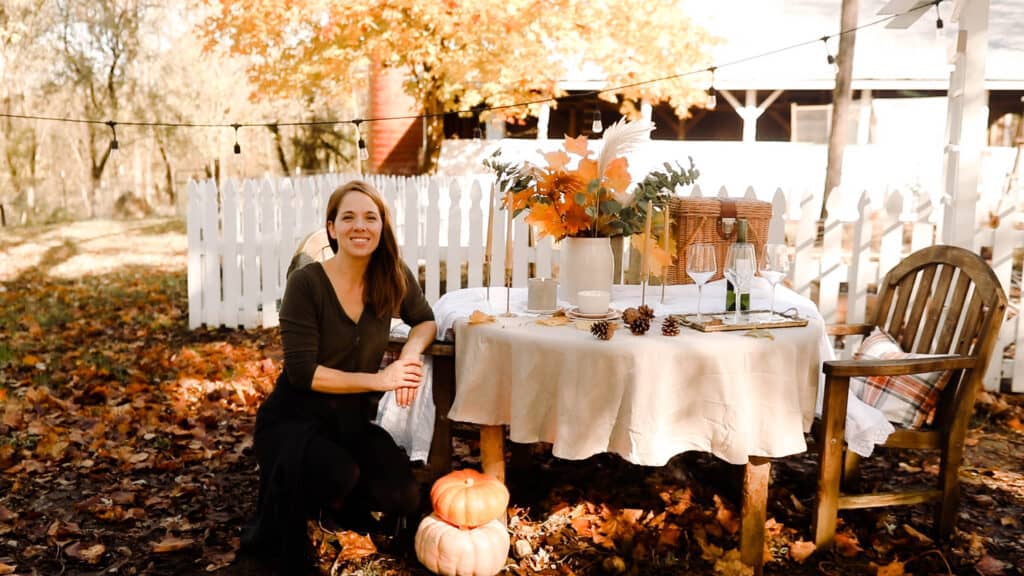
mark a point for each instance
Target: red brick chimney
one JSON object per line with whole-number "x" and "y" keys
{"x": 396, "y": 146}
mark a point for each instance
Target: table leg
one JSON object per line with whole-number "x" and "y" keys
{"x": 492, "y": 451}
{"x": 754, "y": 513}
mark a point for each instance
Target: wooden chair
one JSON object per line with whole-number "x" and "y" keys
{"x": 314, "y": 248}
{"x": 939, "y": 300}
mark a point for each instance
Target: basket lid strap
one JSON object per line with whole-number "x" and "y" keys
{"x": 728, "y": 208}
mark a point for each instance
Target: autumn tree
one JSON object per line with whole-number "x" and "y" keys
{"x": 457, "y": 54}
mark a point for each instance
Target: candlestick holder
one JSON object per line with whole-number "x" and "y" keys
{"x": 508, "y": 296}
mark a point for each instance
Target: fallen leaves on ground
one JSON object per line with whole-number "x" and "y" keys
{"x": 126, "y": 445}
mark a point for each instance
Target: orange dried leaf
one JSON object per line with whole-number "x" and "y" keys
{"x": 669, "y": 535}
{"x": 587, "y": 169}
{"x": 478, "y": 317}
{"x": 616, "y": 176}
{"x": 30, "y": 360}
{"x": 847, "y": 544}
{"x": 171, "y": 544}
{"x": 88, "y": 554}
{"x": 801, "y": 550}
{"x": 989, "y": 566}
{"x": 726, "y": 517}
{"x": 894, "y": 568}
{"x": 7, "y": 568}
{"x": 577, "y": 146}
{"x": 355, "y": 546}
{"x": 557, "y": 160}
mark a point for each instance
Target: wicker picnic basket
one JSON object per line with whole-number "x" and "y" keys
{"x": 700, "y": 220}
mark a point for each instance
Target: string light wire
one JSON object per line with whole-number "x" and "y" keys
{"x": 537, "y": 101}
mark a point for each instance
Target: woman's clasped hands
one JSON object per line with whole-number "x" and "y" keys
{"x": 404, "y": 376}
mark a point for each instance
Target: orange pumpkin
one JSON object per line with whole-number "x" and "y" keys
{"x": 467, "y": 498}
{"x": 449, "y": 551}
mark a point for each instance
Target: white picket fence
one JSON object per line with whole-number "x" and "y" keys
{"x": 242, "y": 238}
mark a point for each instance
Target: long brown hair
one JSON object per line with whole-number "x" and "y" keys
{"x": 384, "y": 280}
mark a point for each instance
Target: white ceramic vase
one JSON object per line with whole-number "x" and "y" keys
{"x": 585, "y": 264}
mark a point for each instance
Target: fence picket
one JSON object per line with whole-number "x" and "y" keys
{"x": 250, "y": 252}
{"x": 861, "y": 271}
{"x": 211, "y": 258}
{"x": 831, "y": 269}
{"x": 475, "y": 259}
{"x": 805, "y": 268}
{"x": 431, "y": 244}
{"x": 194, "y": 230}
{"x": 269, "y": 254}
{"x": 411, "y": 244}
{"x": 232, "y": 278}
{"x": 453, "y": 257}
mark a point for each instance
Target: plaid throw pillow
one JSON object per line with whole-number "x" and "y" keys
{"x": 909, "y": 400}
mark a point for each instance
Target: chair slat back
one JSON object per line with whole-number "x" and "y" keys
{"x": 918, "y": 309}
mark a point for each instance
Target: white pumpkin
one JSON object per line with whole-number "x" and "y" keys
{"x": 450, "y": 551}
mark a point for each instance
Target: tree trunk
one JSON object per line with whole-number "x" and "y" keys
{"x": 841, "y": 98}
{"x": 435, "y": 138}
{"x": 172, "y": 197}
{"x": 282, "y": 159}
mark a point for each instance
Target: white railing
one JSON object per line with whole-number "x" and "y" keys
{"x": 242, "y": 238}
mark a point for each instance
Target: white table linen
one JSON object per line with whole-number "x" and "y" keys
{"x": 645, "y": 398}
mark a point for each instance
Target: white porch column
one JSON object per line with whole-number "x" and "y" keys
{"x": 750, "y": 111}
{"x": 542, "y": 121}
{"x": 967, "y": 123}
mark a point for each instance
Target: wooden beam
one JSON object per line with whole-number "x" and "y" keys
{"x": 756, "y": 477}
{"x": 492, "y": 451}
{"x": 852, "y": 501}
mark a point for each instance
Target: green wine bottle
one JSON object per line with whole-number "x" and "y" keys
{"x": 730, "y": 290}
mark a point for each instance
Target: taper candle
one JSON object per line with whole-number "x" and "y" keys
{"x": 508, "y": 247}
{"x": 645, "y": 274}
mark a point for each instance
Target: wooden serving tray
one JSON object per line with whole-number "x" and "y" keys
{"x": 713, "y": 322}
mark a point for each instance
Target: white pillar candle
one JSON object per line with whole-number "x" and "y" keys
{"x": 542, "y": 294}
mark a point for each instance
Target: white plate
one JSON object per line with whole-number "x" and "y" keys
{"x": 575, "y": 314}
{"x": 542, "y": 312}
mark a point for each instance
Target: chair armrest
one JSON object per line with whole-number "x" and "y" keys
{"x": 849, "y": 329}
{"x": 857, "y": 368}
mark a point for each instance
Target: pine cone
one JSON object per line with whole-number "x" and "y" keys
{"x": 646, "y": 312}
{"x": 670, "y": 327}
{"x": 603, "y": 329}
{"x": 629, "y": 315}
{"x": 640, "y": 326}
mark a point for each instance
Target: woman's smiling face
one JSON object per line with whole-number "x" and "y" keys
{"x": 357, "y": 226}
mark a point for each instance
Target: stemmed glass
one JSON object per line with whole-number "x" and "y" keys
{"x": 740, "y": 264}
{"x": 701, "y": 265}
{"x": 774, "y": 267}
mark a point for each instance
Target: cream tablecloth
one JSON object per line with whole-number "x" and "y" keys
{"x": 645, "y": 398}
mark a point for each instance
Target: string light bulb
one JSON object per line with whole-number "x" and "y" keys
{"x": 596, "y": 126}
{"x": 114, "y": 144}
{"x": 364, "y": 152}
{"x": 712, "y": 100}
{"x": 829, "y": 57}
{"x": 939, "y": 24}
{"x": 238, "y": 147}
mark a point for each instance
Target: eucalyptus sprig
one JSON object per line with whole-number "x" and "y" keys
{"x": 656, "y": 187}
{"x": 509, "y": 178}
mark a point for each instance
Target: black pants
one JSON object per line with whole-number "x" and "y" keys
{"x": 305, "y": 473}
{"x": 362, "y": 473}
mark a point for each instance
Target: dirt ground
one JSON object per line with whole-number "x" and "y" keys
{"x": 125, "y": 448}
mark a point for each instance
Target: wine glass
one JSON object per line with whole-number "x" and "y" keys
{"x": 774, "y": 267}
{"x": 701, "y": 265}
{"x": 740, "y": 264}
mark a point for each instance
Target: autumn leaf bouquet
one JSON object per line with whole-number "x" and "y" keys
{"x": 581, "y": 194}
